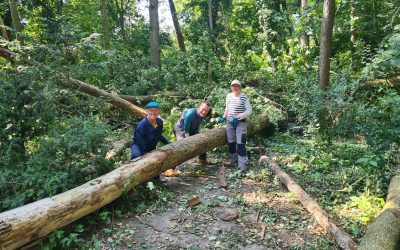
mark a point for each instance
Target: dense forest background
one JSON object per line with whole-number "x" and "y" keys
{"x": 50, "y": 132}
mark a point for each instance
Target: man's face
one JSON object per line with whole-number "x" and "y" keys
{"x": 153, "y": 112}
{"x": 235, "y": 88}
{"x": 202, "y": 110}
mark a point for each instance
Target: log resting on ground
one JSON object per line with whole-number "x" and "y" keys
{"x": 148, "y": 98}
{"x": 33, "y": 221}
{"x": 94, "y": 91}
{"x": 384, "y": 231}
{"x": 342, "y": 238}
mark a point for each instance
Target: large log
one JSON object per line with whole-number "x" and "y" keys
{"x": 384, "y": 231}
{"x": 342, "y": 238}
{"x": 94, "y": 91}
{"x": 148, "y": 98}
{"x": 28, "y": 223}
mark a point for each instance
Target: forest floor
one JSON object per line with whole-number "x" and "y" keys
{"x": 254, "y": 212}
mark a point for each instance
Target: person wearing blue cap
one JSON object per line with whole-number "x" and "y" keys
{"x": 237, "y": 111}
{"x": 148, "y": 132}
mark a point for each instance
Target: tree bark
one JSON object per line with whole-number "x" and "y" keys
{"x": 384, "y": 232}
{"x": 104, "y": 25}
{"x": 325, "y": 46}
{"x": 15, "y": 16}
{"x": 105, "y": 31}
{"x": 277, "y": 5}
{"x": 305, "y": 38}
{"x": 154, "y": 34}
{"x": 179, "y": 36}
{"x": 342, "y": 238}
{"x": 28, "y": 223}
{"x": 3, "y": 29}
{"x": 94, "y": 91}
{"x": 211, "y": 30}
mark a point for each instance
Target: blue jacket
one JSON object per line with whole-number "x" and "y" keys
{"x": 189, "y": 122}
{"x": 146, "y": 137}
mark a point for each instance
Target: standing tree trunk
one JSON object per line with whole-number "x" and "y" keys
{"x": 284, "y": 6}
{"x": 121, "y": 9}
{"x": 15, "y": 16}
{"x": 178, "y": 31}
{"x": 305, "y": 38}
{"x": 154, "y": 34}
{"x": 104, "y": 25}
{"x": 211, "y": 31}
{"x": 28, "y": 223}
{"x": 325, "y": 46}
{"x": 277, "y": 5}
{"x": 105, "y": 31}
{"x": 352, "y": 20}
{"x": 3, "y": 29}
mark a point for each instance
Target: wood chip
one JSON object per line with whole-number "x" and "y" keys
{"x": 193, "y": 202}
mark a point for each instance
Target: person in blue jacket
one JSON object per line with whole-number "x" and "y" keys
{"x": 189, "y": 124}
{"x": 148, "y": 132}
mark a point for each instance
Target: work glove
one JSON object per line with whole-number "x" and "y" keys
{"x": 235, "y": 122}
{"x": 221, "y": 119}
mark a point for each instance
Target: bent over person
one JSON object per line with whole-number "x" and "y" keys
{"x": 148, "y": 132}
{"x": 237, "y": 111}
{"x": 189, "y": 124}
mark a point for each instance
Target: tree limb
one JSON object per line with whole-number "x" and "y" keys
{"x": 94, "y": 91}
{"x": 342, "y": 238}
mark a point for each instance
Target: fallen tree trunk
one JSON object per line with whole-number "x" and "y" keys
{"x": 28, "y": 223}
{"x": 384, "y": 231}
{"x": 7, "y": 54}
{"x": 148, "y": 98}
{"x": 342, "y": 238}
{"x": 94, "y": 91}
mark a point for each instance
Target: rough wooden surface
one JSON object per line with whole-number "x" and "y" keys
{"x": 342, "y": 238}
{"x": 384, "y": 231}
{"x": 28, "y": 223}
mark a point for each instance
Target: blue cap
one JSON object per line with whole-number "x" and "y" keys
{"x": 153, "y": 104}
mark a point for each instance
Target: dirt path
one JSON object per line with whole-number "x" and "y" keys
{"x": 254, "y": 212}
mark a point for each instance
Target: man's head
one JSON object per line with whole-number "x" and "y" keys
{"x": 203, "y": 109}
{"x": 235, "y": 86}
{"x": 153, "y": 110}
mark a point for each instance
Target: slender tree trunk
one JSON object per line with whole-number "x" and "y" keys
{"x": 105, "y": 31}
{"x": 104, "y": 25}
{"x": 325, "y": 46}
{"x": 211, "y": 31}
{"x": 277, "y": 5}
{"x": 28, "y": 223}
{"x": 15, "y": 16}
{"x": 352, "y": 26}
{"x": 179, "y": 36}
{"x": 154, "y": 34}
{"x": 305, "y": 38}
{"x": 284, "y": 6}
{"x": 3, "y": 29}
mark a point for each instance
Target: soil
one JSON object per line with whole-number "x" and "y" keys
{"x": 254, "y": 212}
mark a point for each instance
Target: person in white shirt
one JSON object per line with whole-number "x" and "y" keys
{"x": 237, "y": 112}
